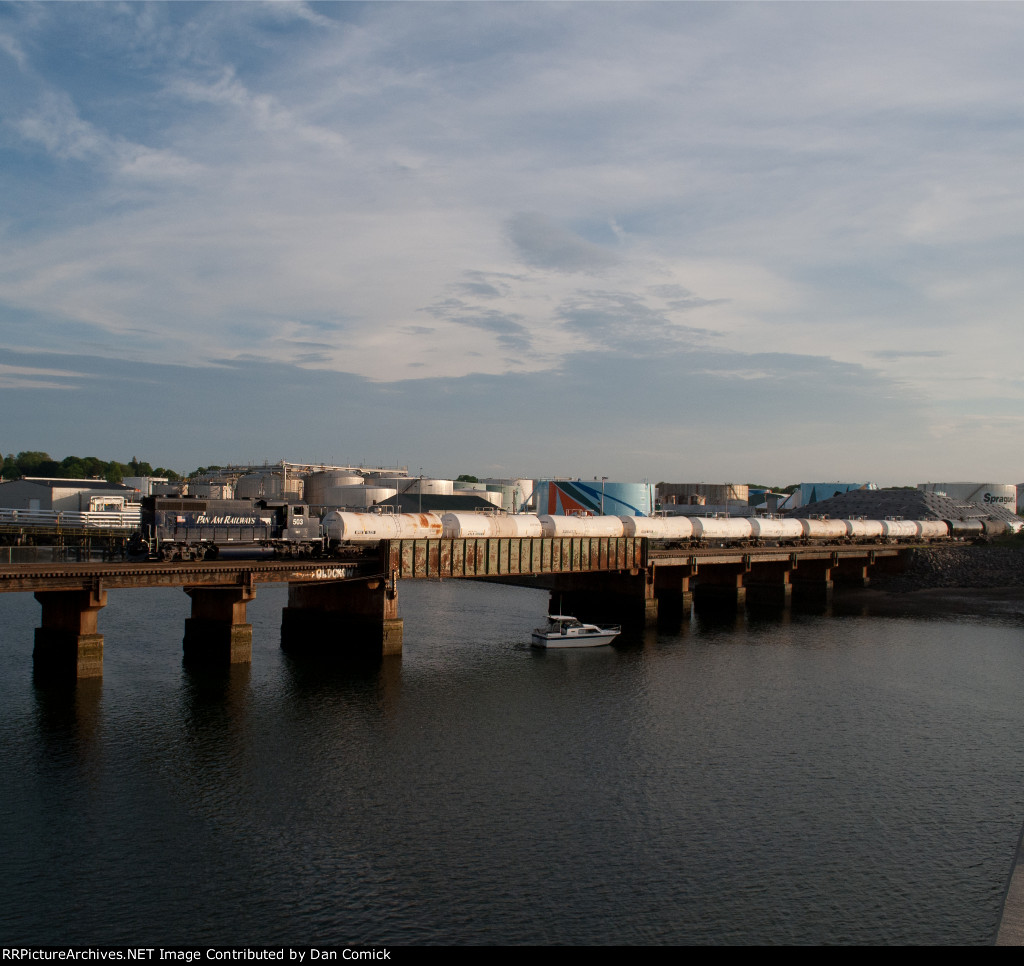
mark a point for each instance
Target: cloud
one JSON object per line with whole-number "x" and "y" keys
{"x": 542, "y": 244}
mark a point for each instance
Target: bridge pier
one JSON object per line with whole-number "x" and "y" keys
{"x": 68, "y": 644}
{"x": 673, "y": 588}
{"x": 722, "y": 586}
{"x": 770, "y": 585}
{"x": 812, "y": 582}
{"x": 217, "y": 632}
{"x": 607, "y": 597}
{"x": 356, "y": 618}
{"x": 851, "y": 573}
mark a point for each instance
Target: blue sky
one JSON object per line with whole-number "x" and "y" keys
{"x": 673, "y": 241}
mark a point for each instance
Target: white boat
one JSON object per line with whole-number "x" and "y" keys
{"x": 565, "y": 631}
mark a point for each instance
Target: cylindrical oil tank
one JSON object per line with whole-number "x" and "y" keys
{"x": 417, "y": 484}
{"x": 657, "y": 528}
{"x": 721, "y": 528}
{"x": 354, "y": 496}
{"x": 321, "y": 487}
{"x": 211, "y": 489}
{"x": 824, "y": 529}
{"x": 862, "y": 530}
{"x": 491, "y": 525}
{"x": 577, "y": 526}
{"x": 268, "y": 486}
{"x": 984, "y": 494}
{"x": 770, "y": 528}
{"x": 370, "y": 527}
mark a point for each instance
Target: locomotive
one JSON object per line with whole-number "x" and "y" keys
{"x": 197, "y": 529}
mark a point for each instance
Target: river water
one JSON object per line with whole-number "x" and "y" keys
{"x": 840, "y": 778}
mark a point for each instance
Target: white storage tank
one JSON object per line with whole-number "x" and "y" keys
{"x": 417, "y": 484}
{"x": 983, "y": 494}
{"x": 322, "y": 486}
{"x": 268, "y": 486}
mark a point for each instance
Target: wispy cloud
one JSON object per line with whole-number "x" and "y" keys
{"x": 460, "y": 191}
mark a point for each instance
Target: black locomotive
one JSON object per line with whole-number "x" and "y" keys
{"x": 188, "y": 528}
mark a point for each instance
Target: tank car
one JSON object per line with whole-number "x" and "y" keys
{"x": 721, "y": 530}
{"x": 674, "y": 529}
{"x": 457, "y": 525}
{"x": 573, "y": 526}
{"x": 343, "y": 527}
{"x": 863, "y": 531}
{"x": 817, "y": 530}
{"x": 772, "y": 530}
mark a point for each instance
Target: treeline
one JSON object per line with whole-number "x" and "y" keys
{"x": 78, "y": 467}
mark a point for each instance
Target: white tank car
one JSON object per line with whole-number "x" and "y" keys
{"x": 863, "y": 529}
{"x": 491, "y": 525}
{"x": 658, "y": 528}
{"x": 764, "y": 528}
{"x": 933, "y": 529}
{"x": 566, "y": 526}
{"x": 342, "y": 527}
{"x": 824, "y": 529}
{"x": 900, "y": 529}
{"x": 721, "y": 528}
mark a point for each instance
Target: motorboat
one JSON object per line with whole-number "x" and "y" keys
{"x": 565, "y": 631}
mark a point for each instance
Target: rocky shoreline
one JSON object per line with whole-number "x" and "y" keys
{"x": 974, "y": 567}
{"x": 948, "y": 580}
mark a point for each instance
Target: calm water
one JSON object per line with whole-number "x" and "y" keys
{"x": 821, "y": 779}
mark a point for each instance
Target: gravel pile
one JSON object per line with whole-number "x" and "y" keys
{"x": 975, "y": 567}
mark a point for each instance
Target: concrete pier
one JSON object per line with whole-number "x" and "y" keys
{"x": 722, "y": 586}
{"x": 674, "y": 590}
{"x": 67, "y": 642}
{"x": 812, "y": 582}
{"x": 334, "y": 618}
{"x": 622, "y": 598}
{"x": 217, "y": 632}
{"x": 770, "y": 586}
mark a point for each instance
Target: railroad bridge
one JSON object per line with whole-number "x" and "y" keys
{"x": 350, "y": 605}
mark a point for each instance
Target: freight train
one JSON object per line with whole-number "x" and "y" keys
{"x": 196, "y": 529}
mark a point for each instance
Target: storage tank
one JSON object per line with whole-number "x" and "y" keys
{"x": 596, "y": 497}
{"x": 417, "y": 484}
{"x": 983, "y": 494}
{"x": 268, "y": 486}
{"x": 321, "y": 487}
{"x": 208, "y": 489}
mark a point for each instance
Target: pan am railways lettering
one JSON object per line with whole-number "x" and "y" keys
{"x": 203, "y": 519}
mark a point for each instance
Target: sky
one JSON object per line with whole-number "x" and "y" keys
{"x": 724, "y": 242}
